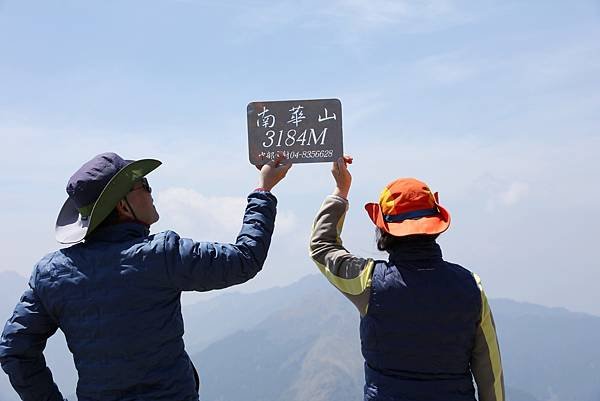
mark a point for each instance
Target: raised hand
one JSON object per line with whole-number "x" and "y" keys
{"x": 343, "y": 178}
{"x": 273, "y": 172}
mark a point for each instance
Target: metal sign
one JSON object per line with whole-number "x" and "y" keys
{"x": 305, "y": 131}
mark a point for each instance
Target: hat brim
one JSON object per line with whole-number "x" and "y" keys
{"x": 425, "y": 225}
{"x": 71, "y": 227}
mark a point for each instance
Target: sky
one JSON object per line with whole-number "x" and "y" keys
{"x": 495, "y": 104}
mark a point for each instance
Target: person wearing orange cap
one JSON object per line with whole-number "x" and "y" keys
{"x": 426, "y": 327}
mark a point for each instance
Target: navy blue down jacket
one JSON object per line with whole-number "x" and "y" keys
{"x": 116, "y": 297}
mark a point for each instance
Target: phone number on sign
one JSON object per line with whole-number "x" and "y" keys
{"x": 304, "y": 154}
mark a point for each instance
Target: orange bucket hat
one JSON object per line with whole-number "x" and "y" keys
{"x": 407, "y": 207}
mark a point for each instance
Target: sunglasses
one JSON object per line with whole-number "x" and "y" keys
{"x": 144, "y": 186}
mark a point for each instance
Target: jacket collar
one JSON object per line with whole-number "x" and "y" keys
{"x": 417, "y": 249}
{"x": 120, "y": 232}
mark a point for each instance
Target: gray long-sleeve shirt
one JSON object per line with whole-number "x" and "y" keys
{"x": 351, "y": 275}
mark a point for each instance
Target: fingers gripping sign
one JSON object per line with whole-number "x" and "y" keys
{"x": 343, "y": 178}
{"x": 273, "y": 172}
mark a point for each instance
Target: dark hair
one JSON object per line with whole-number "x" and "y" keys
{"x": 387, "y": 242}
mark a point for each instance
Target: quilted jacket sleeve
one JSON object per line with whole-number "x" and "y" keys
{"x": 204, "y": 266}
{"x": 23, "y": 341}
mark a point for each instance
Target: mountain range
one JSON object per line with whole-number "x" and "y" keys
{"x": 300, "y": 342}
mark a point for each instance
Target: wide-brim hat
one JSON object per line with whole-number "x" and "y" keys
{"x": 107, "y": 173}
{"x": 408, "y": 207}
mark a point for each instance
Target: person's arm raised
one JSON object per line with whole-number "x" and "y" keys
{"x": 204, "y": 266}
{"x": 343, "y": 178}
{"x": 348, "y": 273}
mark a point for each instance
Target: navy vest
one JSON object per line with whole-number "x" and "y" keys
{"x": 419, "y": 330}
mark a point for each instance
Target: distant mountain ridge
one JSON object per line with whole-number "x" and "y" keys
{"x": 310, "y": 350}
{"x": 244, "y": 311}
{"x": 300, "y": 342}
{"x": 301, "y": 352}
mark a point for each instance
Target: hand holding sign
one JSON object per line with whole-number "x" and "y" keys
{"x": 343, "y": 178}
{"x": 305, "y": 131}
{"x": 273, "y": 172}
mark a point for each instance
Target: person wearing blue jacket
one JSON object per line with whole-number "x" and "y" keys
{"x": 426, "y": 327}
{"x": 116, "y": 293}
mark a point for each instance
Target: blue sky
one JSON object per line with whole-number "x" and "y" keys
{"x": 494, "y": 103}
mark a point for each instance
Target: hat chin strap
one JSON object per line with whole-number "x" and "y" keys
{"x": 135, "y": 218}
{"x": 131, "y": 208}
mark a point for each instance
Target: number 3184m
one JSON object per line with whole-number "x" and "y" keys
{"x": 291, "y": 137}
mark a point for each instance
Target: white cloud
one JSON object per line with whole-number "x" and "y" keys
{"x": 446, "y": 69}
{"x": 515, "y": 192}
{"x": 208, "y": 218}
{"x": 570, "y": 63}
{"x": 500, "y": 192}
{"x": 349, "y": 18}
{"x": 380, "y": 12}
